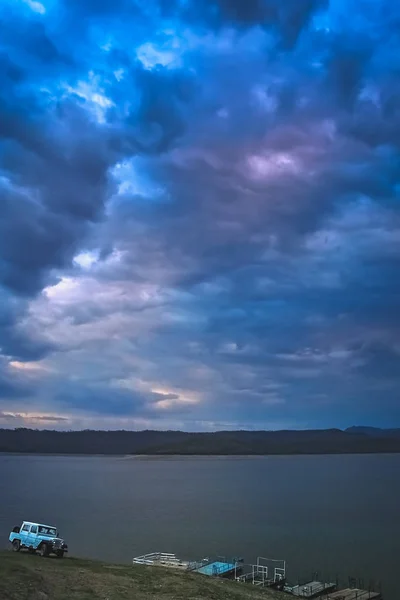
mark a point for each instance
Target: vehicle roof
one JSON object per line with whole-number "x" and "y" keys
{"x": 39, "y": 524}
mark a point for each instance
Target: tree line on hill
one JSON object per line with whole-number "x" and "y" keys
{"x": 326, "y": 441}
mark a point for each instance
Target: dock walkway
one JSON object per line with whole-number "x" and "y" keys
{"x": 217, "y": 568}
{"x": 161, "y": 559}
{"x": 353, "y": 594}
{"x": 312, "y": 589}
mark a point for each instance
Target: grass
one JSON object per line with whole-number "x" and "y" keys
{"x": 29, "y": 577}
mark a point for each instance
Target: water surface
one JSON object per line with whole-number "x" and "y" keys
{"x": 333, "y": 514}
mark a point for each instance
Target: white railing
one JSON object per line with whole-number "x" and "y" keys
{"x": 265, "y": 572}
{"x": 157, "y": 558}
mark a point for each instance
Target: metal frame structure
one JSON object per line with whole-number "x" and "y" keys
{"x": 265, "y": 572}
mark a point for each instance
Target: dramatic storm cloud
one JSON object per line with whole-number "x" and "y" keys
{"x": 199, "y": 213}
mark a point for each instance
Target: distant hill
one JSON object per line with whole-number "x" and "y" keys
{"x": 321, "y": 441}
{"x": 374, "y": 431}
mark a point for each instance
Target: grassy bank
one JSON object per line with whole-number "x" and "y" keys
{"x": 27, "y": 577}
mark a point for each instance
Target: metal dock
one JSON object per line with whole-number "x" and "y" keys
{"x": 265, "y": 572}
{"x": 354, "y": 594}
{"x": 311, "y": 589}
{"x": 218, "y": 568}
{"x": 161, "y": 559}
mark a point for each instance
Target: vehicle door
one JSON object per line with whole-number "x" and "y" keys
{"x": 24, "y": 534}
{"x": 33, "y": 536}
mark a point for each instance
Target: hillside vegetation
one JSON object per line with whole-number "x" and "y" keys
{"x": 28, "y": 577}
{"x": 328, "y": 441}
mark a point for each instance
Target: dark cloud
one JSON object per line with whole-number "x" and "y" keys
{"x": 12, "y": 385}
{"x": 107, "y": 400}
{"x": 95, "y": 8}
{"x": 287, "y": 20}
{"x": 9, "y": 390}
{"x": 284, "y": 20}
{"x": 159, "y": 119}
{"x": 19, "y": 344}
{"x": 17, "y": 340}
{"x": 10, "y": 72}
{"x": 348, "y": 65}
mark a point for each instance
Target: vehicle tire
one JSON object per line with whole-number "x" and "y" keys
{"x": 16, "y": 545}
{"x": 60, "y": 553}
{"x": 44, "y": 550}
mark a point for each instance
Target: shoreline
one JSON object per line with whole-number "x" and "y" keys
{"x": 197, "y": 456}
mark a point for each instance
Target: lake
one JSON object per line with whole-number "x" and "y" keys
{"x": 332, "y": 514}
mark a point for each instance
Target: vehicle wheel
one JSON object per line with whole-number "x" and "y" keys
{"x": 60, "y": 553}
{"x": 44, "y": 551}
{"x": 16, "y": 545}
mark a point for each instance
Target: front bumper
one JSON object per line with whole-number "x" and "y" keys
{"x": 57, "y": 546}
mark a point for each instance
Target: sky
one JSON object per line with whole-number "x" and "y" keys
{"x": 199, "y": 214}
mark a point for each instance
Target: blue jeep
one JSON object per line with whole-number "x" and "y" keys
{"x": 36, "y": 537}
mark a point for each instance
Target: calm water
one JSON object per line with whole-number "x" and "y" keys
{"x": 335, "y": 514}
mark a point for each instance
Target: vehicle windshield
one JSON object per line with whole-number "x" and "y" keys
{"x": 43, "y": 530}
